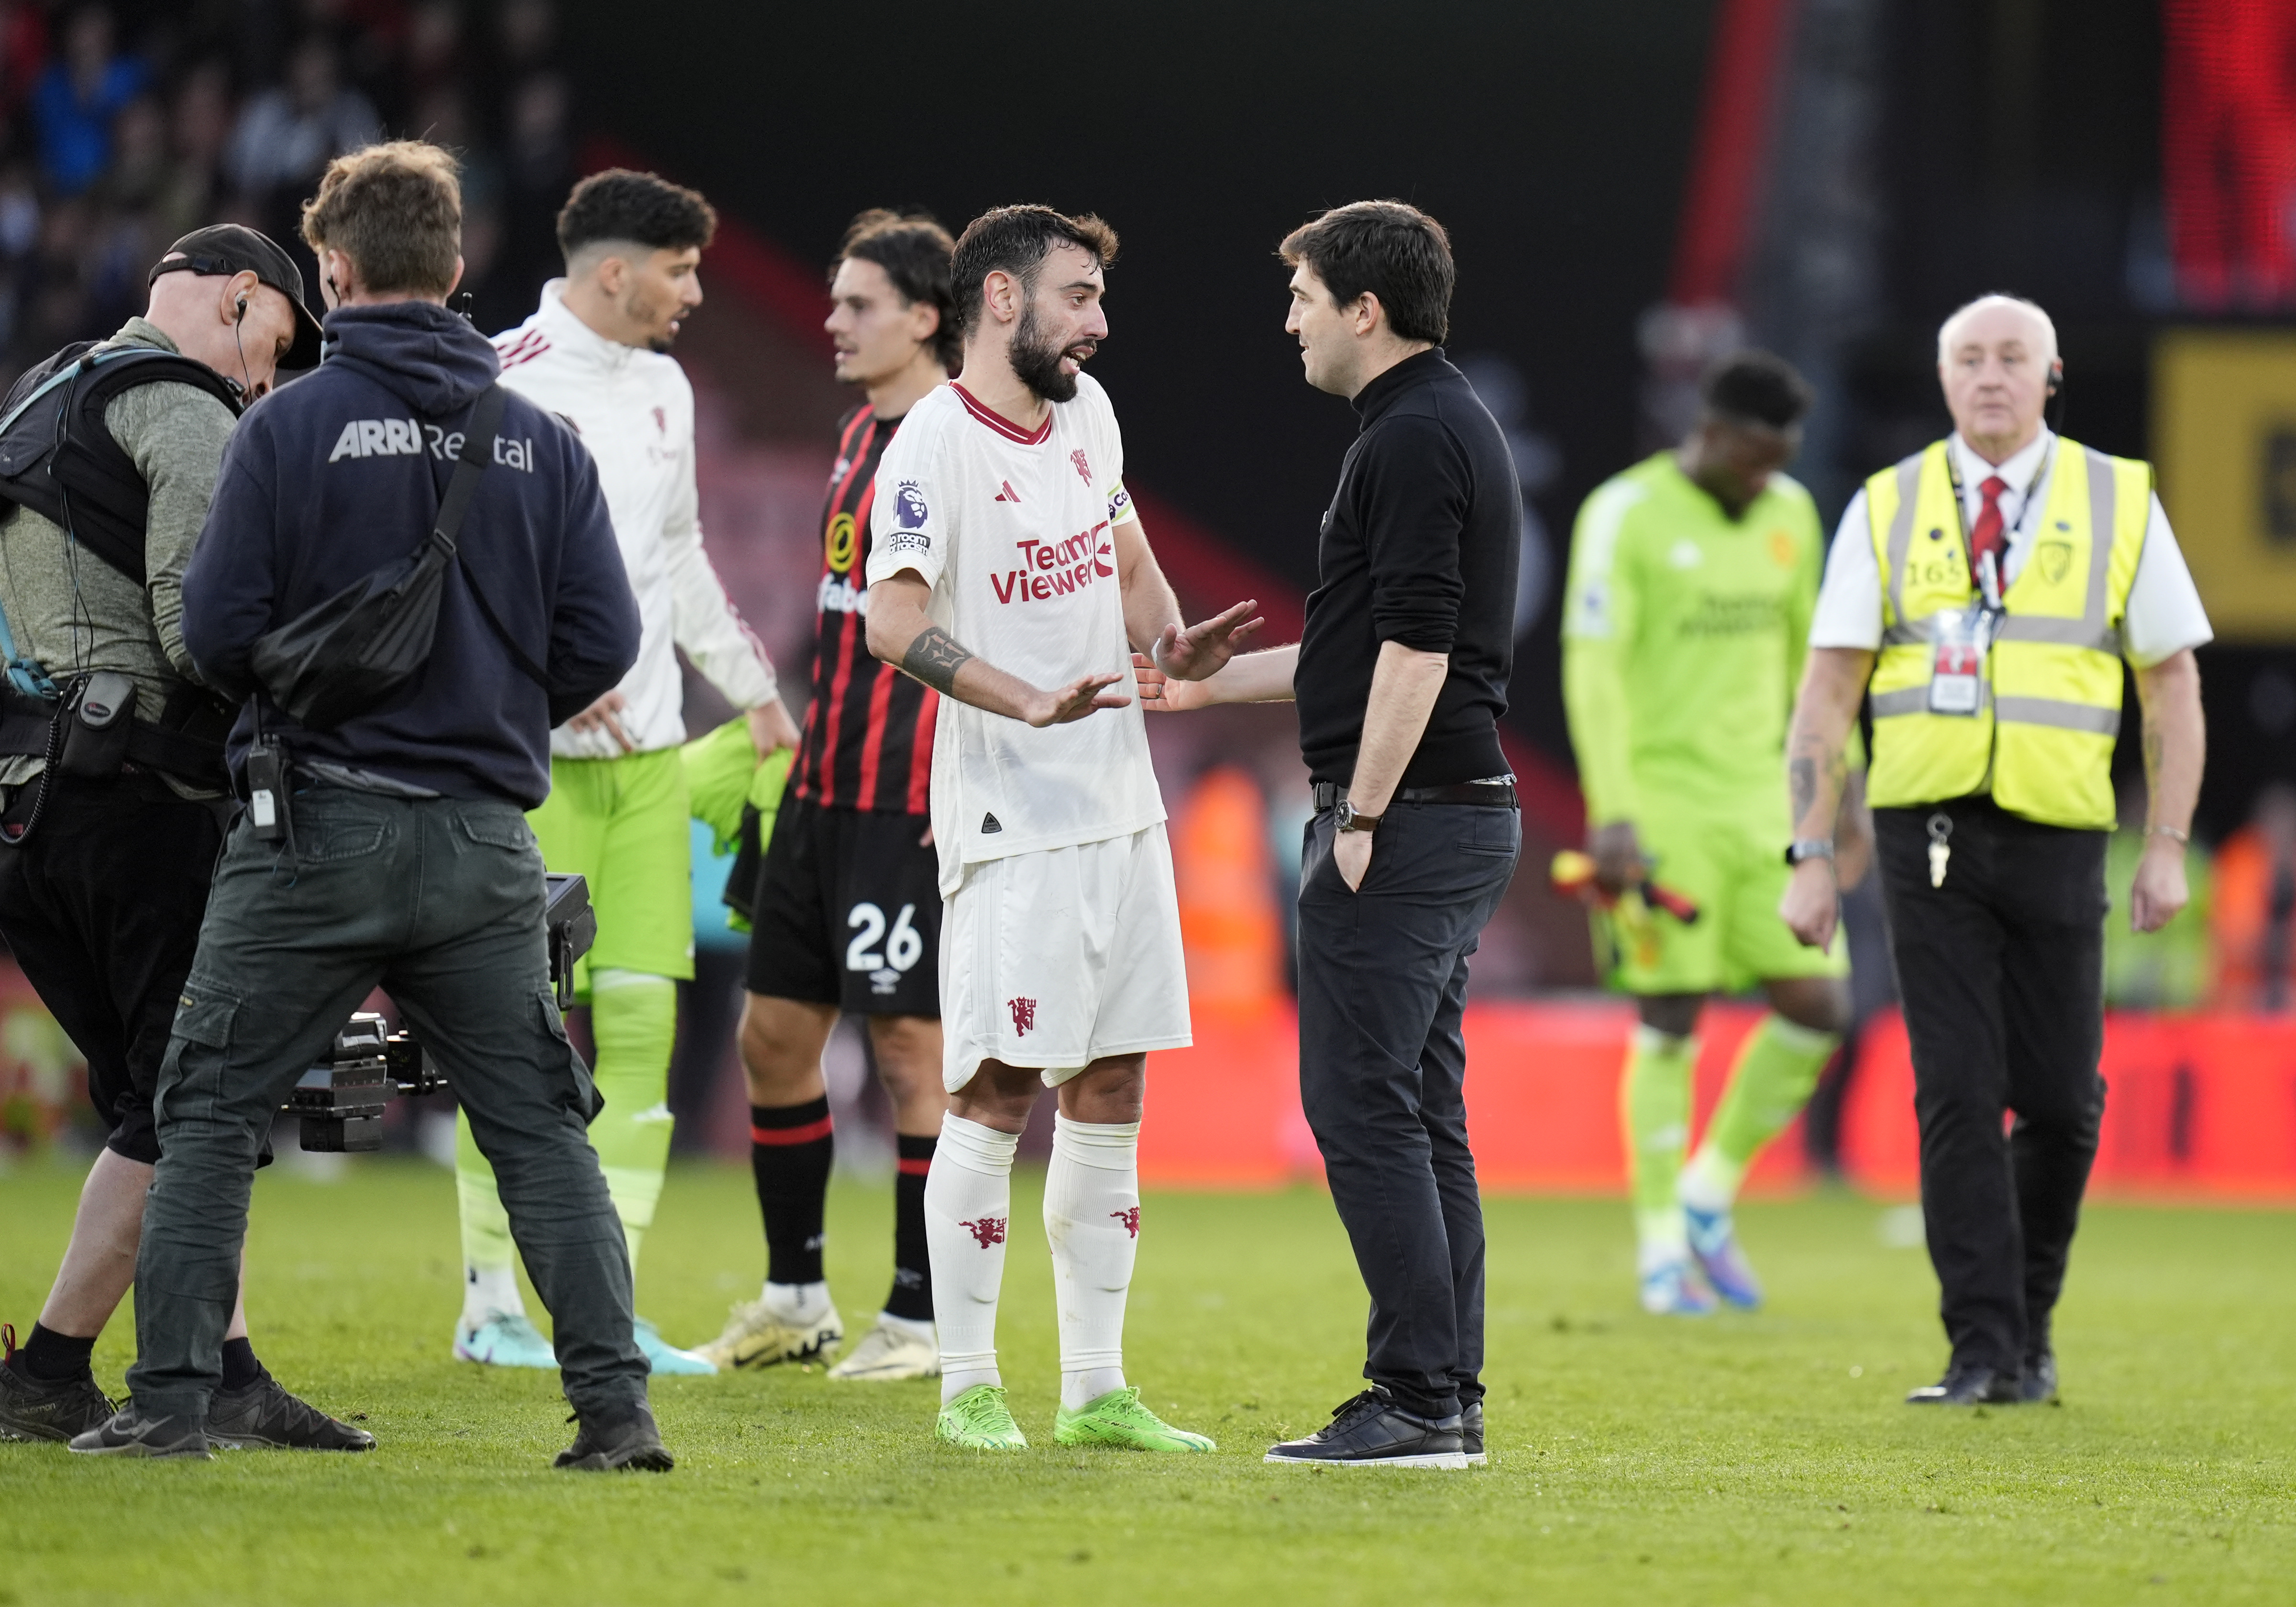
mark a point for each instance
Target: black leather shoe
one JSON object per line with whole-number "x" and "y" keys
{"x": 34, "y": 1408}
{"x": 1370, "y": 1431}
{"x": 264, "y": 1417}
{"x": 1471, "y": 1435}
{"x": 2039, "y": 1386}
{"x": 626, "y": 1441}
{"x": 1968, "y": 1386}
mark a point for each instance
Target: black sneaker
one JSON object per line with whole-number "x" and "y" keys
{"x": 129, "y": 1432}
{"x": 2038, "y": 1385}
{"x": 627, "y": 1440}
{"x": 1968, "y": 1386}
{"x": 264, "y": 1417}
{"x": 1471, "y": 1435}
{"x": 1370, "y": 1431}
{"x": 34, "y": 1408}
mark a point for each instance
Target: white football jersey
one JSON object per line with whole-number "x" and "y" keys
{"x": 634, "y": 410}
{"x": 1014, "y": 532}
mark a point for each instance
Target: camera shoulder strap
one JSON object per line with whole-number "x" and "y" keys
{"x": 478, "y": 451}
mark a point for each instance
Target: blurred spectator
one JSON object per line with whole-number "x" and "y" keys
{"x": 2167, "y": 970}
{"x": 2255, "y": 914}
{"x": 23, "y": 53}
{"x": 288, "y": 135}
{"x": 199, "y": 126}
{"x": 78, "y": 96}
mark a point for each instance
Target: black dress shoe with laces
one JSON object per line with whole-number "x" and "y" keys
{"x": 1370, "y": 1431}
{"x": 625, "y": 1441}
{"x": 1470, "y": 1434}
{"x": 131, "y": 1432}
{"x": 2039, "y": 1386}
{"x": 1965, "y": 1386}
{"x": 263, "y": 1417}
{"x": 39, "y": 1408}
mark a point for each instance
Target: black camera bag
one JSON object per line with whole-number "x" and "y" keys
{"x": 349, "y": 654}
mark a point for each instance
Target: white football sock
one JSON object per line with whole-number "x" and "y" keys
{"x": 799, "y": 1303}
{"x": 968, "y": 1207}
{"x": 490, "y": 1291}
{"x": 1709, "y": 1181}
{"x": 1092, "y": 1218}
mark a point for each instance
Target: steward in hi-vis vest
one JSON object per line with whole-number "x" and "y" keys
{"x": 1985, "y": 592}
{"x": 2047, "y": 706}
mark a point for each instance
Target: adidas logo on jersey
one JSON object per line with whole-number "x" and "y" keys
{"x": 989, "y": 823}
{"x": 1005, "y": 493}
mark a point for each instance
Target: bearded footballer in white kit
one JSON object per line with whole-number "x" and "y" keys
{"x": 1009, "y": 573}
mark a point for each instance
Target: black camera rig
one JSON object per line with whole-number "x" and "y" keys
{"x": 341, "y": 1099}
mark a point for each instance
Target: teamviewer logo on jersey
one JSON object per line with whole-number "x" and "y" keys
{"x": 909, "y": 509}
{"x": 1024, "y": 1015}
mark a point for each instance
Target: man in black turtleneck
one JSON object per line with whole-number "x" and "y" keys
{"x": 1400, "y": 677}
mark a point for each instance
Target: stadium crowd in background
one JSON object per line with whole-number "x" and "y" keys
{"x": 124, "y": 126}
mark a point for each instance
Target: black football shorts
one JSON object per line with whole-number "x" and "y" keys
{"x": 848, "y": 912}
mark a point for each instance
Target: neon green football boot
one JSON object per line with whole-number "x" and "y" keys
{"x": 980, "y": 1421}
{"x": 1119, "y": 1419}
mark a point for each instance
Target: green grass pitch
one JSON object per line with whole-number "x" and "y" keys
{"x": 1736, "y": 1459}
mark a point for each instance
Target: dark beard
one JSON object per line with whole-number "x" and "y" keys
{"x": 1036, "y": 363}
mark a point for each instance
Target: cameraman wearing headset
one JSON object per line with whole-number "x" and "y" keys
{"x": 112, "y": 788}
{"x": 385, "y": 841}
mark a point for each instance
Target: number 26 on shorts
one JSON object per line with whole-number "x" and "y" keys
{"x": 904, "y": 945}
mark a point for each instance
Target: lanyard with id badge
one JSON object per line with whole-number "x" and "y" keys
{"x": 1959, "y": 640}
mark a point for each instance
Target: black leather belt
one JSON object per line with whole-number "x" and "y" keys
{"x": 1481, "y": 794}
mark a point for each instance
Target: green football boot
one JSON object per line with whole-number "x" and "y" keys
{"x": 980, "y": 1421}
{"x": 1119, "y": 1419}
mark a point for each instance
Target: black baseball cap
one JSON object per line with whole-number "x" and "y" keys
{"x": 231, "y": 248}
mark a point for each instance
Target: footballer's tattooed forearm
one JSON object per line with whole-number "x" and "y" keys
{"x": 934, "y": 658}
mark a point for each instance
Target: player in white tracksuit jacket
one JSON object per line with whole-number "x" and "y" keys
{"x": 594, "y": 353}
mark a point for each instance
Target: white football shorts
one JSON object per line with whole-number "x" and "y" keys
{"x": 1060, "y": 958}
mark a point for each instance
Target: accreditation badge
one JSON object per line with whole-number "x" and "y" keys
{"x": 1957, "y": 659}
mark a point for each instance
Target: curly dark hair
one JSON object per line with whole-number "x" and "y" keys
{"x": 1757, "y": 388}
{"x": 915, "y": 251}
{"x": 619, "y": 204}
{"x": 1016, "y": 240}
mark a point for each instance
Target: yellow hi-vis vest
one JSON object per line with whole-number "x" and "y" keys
{"x": 2041, "y": 741}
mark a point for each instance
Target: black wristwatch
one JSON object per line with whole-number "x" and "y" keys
{"x": 1347, "y": 817}
{"x": 1808, "y": 848}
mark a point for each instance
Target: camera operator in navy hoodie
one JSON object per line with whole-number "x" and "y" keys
{"x": 408, "y": 863}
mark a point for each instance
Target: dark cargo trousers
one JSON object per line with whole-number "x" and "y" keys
{"x": 440, "y": 902}
{"x": 1383, "y": 1076}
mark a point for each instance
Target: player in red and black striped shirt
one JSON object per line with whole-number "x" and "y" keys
{"x": 847, "y": 906}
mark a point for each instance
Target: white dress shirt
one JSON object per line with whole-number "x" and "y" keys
{"x": 2164, "y": 615}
